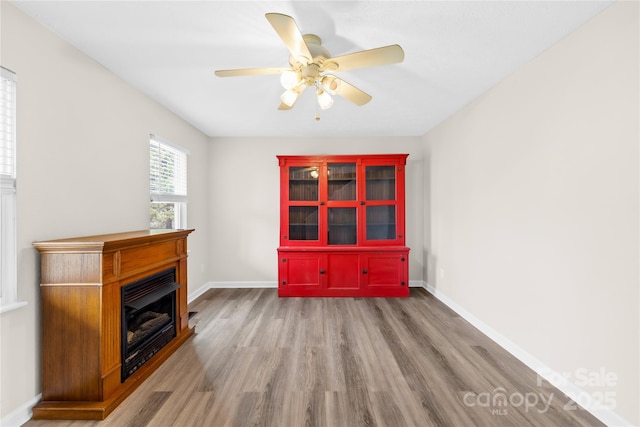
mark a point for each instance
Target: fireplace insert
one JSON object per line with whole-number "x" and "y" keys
{"x": 148, "y": 318}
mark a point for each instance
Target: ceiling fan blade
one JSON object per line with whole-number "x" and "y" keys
{"x": 288, "y": 31}
{"x": 367, "y": 58}
{"x": 249, "y": 72}
{"x": 352, "y": 93}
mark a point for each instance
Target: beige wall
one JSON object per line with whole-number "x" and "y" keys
{"x": 533, "y": 198}
{"x": 82, "y": 169}
{"x": 245, "y": 210}
{"x": 523, "y": 208}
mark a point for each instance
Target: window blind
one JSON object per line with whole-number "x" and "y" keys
{"x": 8, "y": 264}
{"x": 168, "y": 171}
{"x": 7, "y": 128}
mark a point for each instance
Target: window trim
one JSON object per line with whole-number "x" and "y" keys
{"x": 8, "y": 195}
{"x": 179, "y": 200}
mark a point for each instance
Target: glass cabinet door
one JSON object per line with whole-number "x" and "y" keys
{"x": 303, "y": 217}
{"x": 303, "y": 223}
{"x": 342, "y": 191}
{"x": 303, "y": 183}
{"x": 381, "y": 182}
{"x": 341, "y": 181}
{"x": 381, "y": 222}
{"x": 381, "y": 206}
{"x": 342, "y": 226}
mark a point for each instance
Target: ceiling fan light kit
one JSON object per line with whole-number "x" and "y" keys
{"x": 289, "y": 79}
{"x": 309, "y": 61}
{"x": 289, "y": 97}
{"x": 331, "y": 84}
{"x": 324, "y": 99}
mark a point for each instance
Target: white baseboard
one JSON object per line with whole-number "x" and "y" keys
{"x": 607, "y": 416}
{"x": 193, "y": 295}
{"x": 21, "y": 415}
{"x": 229, "y": 285}
{"x": 416, "y": 284}
{"x": 243, "y": 285}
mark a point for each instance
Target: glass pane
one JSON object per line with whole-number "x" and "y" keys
{"x": 342, "y": 226}
{"x": 303, "y": 223}
{"x": 303, "y": 183}
{"x": 342, "y": 181}
{"x": 162, "y": 215}
{"x": 381, "y": 222}
{"x": 381, "y": 182}
{"x": 167, "y": 215}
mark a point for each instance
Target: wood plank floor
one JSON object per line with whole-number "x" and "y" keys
{"x": 258, "y": 360}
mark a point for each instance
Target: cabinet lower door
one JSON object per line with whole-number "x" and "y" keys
{"x": 343, "y": 272}
{"x": 299, "y": 274}
{"x": 385, "y": 274}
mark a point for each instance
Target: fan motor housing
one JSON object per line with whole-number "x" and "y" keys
{"x": 318, "y": 52}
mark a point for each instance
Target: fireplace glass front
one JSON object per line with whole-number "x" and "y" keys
{"x": 148, "y": 318}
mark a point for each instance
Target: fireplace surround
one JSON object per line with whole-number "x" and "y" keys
{"x": 85, "y": 289}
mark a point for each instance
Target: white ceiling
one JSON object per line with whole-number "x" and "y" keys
{"x": 454, "y": 51}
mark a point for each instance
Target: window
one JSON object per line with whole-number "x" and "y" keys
{"x": 168, "y": 185}
{"x": 8, "y": 252}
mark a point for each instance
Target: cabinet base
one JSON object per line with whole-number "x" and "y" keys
{"x": 291, "y": 292}
{"x": 358, "y": 272}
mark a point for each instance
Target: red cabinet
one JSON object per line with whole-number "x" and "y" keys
{"x": 342, "y": 226}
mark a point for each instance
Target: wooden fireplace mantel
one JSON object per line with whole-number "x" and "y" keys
{"x": 81, "y": 280}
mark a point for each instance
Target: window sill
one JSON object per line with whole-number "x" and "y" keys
{"x": 12, "y": 306}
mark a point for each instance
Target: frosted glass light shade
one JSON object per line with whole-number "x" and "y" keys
{"x": 331, "y": 84}
{"x": 289, "y": 79}
{"x": 324, "y": 99}
{"x": 289, "y": 97}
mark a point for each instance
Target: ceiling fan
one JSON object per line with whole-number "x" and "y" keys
{"x": 311, "y": 65}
